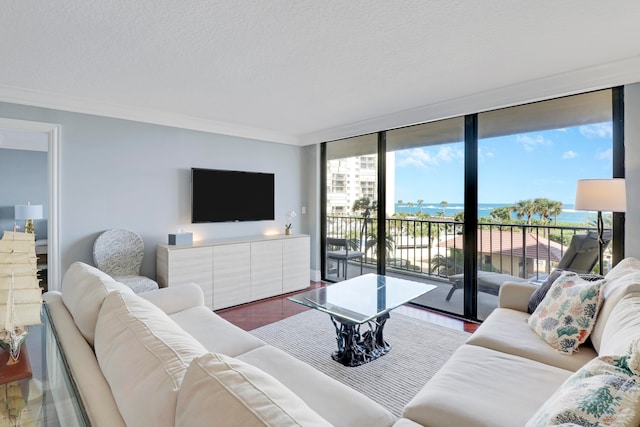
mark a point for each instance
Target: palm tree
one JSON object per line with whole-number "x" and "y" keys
{"x": 420, "y": 202}
{"x": 556, "y": 210}
{"x": 501, "y": 214}
{"x": 543, "y": 207}
{"x": 365, "y": 206}
{"x": 444, "y": 205}
{"x": 448, "y": 265}
{"x": 524, "y": 208}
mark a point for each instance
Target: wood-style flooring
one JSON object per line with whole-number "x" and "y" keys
{"x": 253, "y": 315}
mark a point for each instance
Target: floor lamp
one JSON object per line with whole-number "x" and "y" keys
{"x": 601, "y": 195}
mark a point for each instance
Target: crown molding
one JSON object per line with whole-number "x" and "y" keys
{"x": 602, "y": 76}
{"x": 63, "y": 102}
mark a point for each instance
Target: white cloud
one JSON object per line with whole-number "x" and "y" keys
{"x": 409, "y": 161}
{"x": 449, "y": 154}
{"x": 600, "y": 130}
{"x": 529, "y": 143}
{"x": 605, "y": 155}
{"x": 483, "y": 154}
{"x": 569, "y": 154}
{"x": 422, "y": 157}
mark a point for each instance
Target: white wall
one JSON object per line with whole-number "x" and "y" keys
{"x": 124, "y": 174}
{"x": 311, "y": 200}
{"x": 632, "y": 169}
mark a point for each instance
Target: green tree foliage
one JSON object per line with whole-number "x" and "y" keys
{"x": 501, "y": 215}
{"x": 524, "y": 208}
{"x": 547, "y": 209}
{"x": 444, "y": 205}
{"x": 364, "y": 207}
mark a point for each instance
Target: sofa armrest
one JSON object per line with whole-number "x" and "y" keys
{"x": 515, "y": 295}
{"x": 84, "y": 370}
{"x": 175, "y": 298}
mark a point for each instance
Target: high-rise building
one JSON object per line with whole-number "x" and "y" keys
{"x": 352, "y": 178}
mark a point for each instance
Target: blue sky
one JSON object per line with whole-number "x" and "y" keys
{"x": 510, "y": 168}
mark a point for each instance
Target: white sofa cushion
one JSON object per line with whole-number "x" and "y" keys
{"x": 175, "y": 299}
{"x": 622, "y": 280}
{"x": 93, "y": 389}
{"x": 507, "y": 331}
{"x": 143, "y": 355}
{"x": 623, "y": 326}
{"x": 216, "y": 334}
{"x": 483, "y": 387}
{"x": 345, "y": 407}
{"x": 626, "y": 267}
{"x": 219, "y": 390}
{"x": 83, "y": 290}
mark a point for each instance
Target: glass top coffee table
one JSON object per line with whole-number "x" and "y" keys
{"x": 364, "y": 300}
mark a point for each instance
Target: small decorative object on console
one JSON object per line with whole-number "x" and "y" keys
{"x": 288, "y": 228}
{"x": 181, "y": 238}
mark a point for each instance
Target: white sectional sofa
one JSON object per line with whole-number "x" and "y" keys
{"x": 162, "y": 359}
{"x": 505, "y": 373}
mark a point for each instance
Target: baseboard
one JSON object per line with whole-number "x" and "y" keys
{"x": 315, "y": 275}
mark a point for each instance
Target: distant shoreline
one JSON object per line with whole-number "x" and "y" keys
{"x": 568, "y": 215}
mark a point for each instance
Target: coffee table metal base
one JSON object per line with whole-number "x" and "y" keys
{"x": 355, "y": 348}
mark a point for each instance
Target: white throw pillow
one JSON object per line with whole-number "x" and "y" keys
{"x": 143, "y": 354}
{"x": 83, "y": 290}
{"x": 625, "y": 268}
{"x": 221, "y": 391}
{"x": 622, "y": 327}
{"x": 622, "y": 280}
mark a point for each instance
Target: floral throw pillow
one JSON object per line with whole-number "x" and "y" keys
{"x": 542, "y": 290}
{"x": 566, "y": 315}
{"x": 604, "y": 392}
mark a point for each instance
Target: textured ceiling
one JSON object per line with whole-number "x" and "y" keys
{"x": 305, "y": 71}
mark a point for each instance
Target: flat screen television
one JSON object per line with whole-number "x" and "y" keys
{"x": 224, "y": 195}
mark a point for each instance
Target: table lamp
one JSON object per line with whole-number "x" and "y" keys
{"x": 28, "y": 213}
{"x": 601, "y": 195}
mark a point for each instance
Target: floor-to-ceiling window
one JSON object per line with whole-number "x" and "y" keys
{"x": 529, "y": 160}
{"x": 471, "y": 201}
{"x": 424, "y": 207}
{"x": 351, "y": 199}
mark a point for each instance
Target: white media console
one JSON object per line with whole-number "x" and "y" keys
{"x": 240, "y": 270}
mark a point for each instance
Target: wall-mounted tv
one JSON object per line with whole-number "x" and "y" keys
{"x": 224, "y": 195}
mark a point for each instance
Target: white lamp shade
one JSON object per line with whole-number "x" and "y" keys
{"x": 28, "y": 212}
{"x": 601, "y": 195}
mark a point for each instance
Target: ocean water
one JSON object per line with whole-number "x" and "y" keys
{"x": 568, "y": 215}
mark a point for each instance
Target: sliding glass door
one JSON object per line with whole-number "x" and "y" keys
{"x": 351, "y": 207}
{"x": 529, "y": 160}
{"x": 425, "y": 208}
{"x": 469, "y": 202}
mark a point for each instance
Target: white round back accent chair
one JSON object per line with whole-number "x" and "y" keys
{"x": 119, "y": 253}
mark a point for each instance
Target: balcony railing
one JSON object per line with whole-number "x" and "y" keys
{"x": 433, "y": 246}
